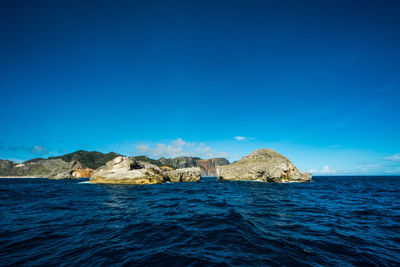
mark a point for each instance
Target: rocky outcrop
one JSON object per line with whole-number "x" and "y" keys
{"x": 69, "y": 172}
{"x": 41, "y": 168}
{"x": 6, "y": 166}
{"x": 124, "y": 170}
{"x": 209, "y": 166}
{"x": 192, "y": 174}
{"x": 264, "y": 165}
{"x": 83, "y": 173}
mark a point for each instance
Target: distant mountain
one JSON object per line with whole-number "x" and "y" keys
{"x": 37, "y": 168}
{"x": 153, "y": 161}
{"x": 92, "y": 159}
{"x": 207, "y": 166}
{"x": 89, "y": 159}
{"x": 6, "y": 166}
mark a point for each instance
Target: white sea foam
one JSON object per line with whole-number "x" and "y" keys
{"x": 84, "y": 182}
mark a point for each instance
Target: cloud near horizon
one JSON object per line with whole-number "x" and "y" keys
{"x": 242, "y": 138}
{"x": 36, "y": 149}
{"x": 179, "y": 148}
{"x": 395, "y": 157}
{"x": 325, "y": 170}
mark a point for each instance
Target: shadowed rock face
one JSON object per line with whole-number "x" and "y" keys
{"x": 263, "y": 165}
{"x": 124, "y": 170}
{"x": 69, "y": 172}
{"x": 209, "y": 166}
{"x": 179, "y": 162}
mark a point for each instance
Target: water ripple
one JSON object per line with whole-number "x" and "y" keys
{"x": 330, "y": 221}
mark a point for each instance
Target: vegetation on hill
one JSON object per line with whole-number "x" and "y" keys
{"x": 89, "y": 159}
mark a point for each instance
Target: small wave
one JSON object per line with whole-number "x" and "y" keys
{"x": 84, "y": 182}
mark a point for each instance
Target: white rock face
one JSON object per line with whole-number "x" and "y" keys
{"x": 124, "y": 170}
{"x": 264, "y": 165}
{"x": 192, "y": 174}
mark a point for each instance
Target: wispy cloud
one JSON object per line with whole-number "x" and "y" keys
{"x": 328, "y": 170}
{"x": 36, "y": 149}
{"x": 325, "y": 170}
{"x": 387, "y": 88}
{"x": 178, "y": 148}
{"x": 242, "y": 138}
{"x": 393, "y": 171}
{"x": 395, "y": 157}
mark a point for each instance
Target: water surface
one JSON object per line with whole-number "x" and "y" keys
{"x": 330, "y": 221}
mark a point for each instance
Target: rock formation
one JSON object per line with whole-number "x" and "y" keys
{"x": 55, "y": 168}
{"x": 69, "y": 172}
{"x": 83, "y": 173}
{"x": 6, "y": 166}
{"x": 192, "y": 174}
{"x": 124, "y": 170}
{"x": 209, "y": 166}
{"x": 179, "y": 162}
{"x": 263, "y": 165}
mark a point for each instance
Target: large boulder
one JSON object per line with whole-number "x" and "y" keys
{"x": 264, "y": 165}
{"x": 83, "y": 173}
{"x": 124, "y": 170}
{"x": 192, "y": 174}
{"x": 68, "y": 170}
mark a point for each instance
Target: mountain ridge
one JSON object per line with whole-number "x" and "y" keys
{"x": 94, "y": 159}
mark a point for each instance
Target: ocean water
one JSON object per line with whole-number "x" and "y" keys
{"x": 336, "y": 221}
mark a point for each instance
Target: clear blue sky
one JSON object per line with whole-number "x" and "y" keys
{"x": 318, "y": 81}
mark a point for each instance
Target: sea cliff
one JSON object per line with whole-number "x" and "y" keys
{"x": 264, "y": 165}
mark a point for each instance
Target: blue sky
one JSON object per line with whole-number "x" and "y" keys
{"x": 318, "y": 81}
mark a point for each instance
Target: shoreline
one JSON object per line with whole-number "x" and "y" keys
{"x": 19, "y": 177}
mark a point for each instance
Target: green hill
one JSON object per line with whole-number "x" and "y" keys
{"x": 89, "y": 159}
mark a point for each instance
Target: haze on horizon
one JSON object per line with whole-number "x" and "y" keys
{"x": 317, "y": 81}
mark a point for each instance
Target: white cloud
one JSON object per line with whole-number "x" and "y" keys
{"x": 143, "y": 148}
{"x": 395, "y": 157}
{"x": 325, "y": 170}
{"x": 241, "y": 138}
{"x": 328, "y": 170}
{"x": 179, "y": 142}
{"x": 39, "y": 150}
{"x": 179, "y": 148}
{"x": 395, "y": 170}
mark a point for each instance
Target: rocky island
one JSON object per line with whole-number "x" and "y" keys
{"x": 125, "y": 170}
{"x": 264, "y": 165}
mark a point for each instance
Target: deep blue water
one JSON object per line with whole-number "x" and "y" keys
{"x": 334, "y": 221}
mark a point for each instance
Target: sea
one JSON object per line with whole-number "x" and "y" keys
{"x": 331, "y": 221}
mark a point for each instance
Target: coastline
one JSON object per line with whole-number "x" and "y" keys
{"x": 18, "y": 177}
